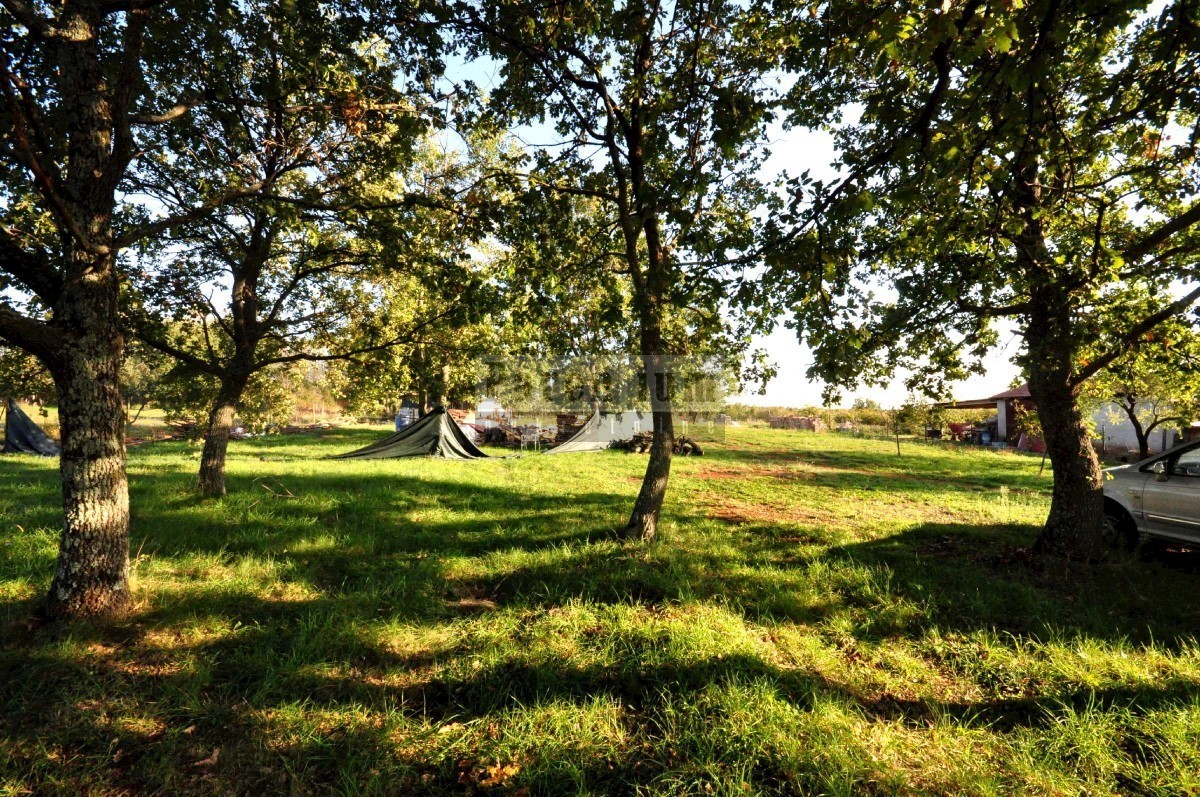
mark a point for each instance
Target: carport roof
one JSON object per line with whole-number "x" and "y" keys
{"x": 988, "y": 403}
{"x": 1015, "y": 393}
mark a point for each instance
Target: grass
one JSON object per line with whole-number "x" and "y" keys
{"x": 146, "y": 424}
{"x": 819, "y": 617}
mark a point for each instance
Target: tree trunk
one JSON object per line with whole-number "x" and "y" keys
{"x": 643, "y": 522}
{"x": 216, "y": 443}
{"x": 441, "y": 390}
{"x": 1143, "y": 435}
{"x": 92, "y": 575}
{"x": 1074, "y": 527}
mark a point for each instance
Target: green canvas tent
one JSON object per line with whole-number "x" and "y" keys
{"x": 23, "y": 436}
{"x": 435, "y": 435}
{"x": 605, "y": 428}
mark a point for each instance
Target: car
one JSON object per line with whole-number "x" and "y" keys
{"x": 1158, "y": 497}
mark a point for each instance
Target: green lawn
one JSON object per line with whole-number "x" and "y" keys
{"x": 819, "y": 617}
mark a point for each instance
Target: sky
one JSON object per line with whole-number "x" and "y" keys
{"x": 794, "y": 151}
{"x": 791, "y": 388}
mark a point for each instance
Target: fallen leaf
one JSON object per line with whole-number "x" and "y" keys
{"x": 211, "y": 760}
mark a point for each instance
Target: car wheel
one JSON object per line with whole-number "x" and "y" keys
{"x": 1120, "y": 532}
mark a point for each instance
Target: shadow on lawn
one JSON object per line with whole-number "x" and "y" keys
{"x": 385, "y": 561}
{"x": 389, "y": 548}
{"x": 313, "y": 654}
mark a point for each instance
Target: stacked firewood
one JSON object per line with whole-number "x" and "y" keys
{"x": 567, "y": 424}
{"x": 640, "y": 444}
{"x": 511, "y": 436}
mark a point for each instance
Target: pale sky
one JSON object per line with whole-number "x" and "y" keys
{"x": 795, "y": 151}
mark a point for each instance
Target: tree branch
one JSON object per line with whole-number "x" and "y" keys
{"x": 1152, "y": 239}
{"x": 198, "y": 212}
{"x": 1135, "y": 332}
{"x": 36, "y": 337}
{"x": 32, "y": 270}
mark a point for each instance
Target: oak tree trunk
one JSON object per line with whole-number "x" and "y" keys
{"x": 643, "y": 522}
{"x": 1074, "y": 527}
{"x": 92, "y": 575}
{"x": 216, "y": 439}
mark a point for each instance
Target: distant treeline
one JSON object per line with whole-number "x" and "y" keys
{"x": 911, "y": 418}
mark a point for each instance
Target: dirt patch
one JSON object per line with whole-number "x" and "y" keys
{"x": 473, "y": 605}
{"x": 751, "y": 472}
{"x": 735, "y": 511}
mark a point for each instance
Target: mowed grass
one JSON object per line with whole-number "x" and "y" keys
{"x": 819, "y": 616}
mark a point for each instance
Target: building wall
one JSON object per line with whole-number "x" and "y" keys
{"x": 1116, "y": 432}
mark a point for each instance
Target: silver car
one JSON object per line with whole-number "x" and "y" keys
{"x": 1159, "y": 497}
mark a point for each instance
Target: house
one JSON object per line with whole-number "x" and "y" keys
{"x": 1002, "y": 428}
{"x": 1114, "y": 432}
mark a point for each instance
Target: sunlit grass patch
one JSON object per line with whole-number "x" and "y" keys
{"x": 819, "y": 616}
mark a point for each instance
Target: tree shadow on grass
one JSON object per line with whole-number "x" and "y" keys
{"x": 973, "y": 577}
{"x": 312, "y": 689}
{"x": 313, "y": 656}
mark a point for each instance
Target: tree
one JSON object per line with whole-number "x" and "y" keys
{"x": 75, "y": 93}
{"x": 437, "y": 300}
{"x": 87, "y": 85}
{"x": 1155, "y": 384}
{"x": 1032, "y": 161}
{"x": 142, "y": 373}
{"x": 658, "y": 106}
{"x": 23, "y": 377}
{"x": 570, "y": 302}
{"x": 271, "y": 279}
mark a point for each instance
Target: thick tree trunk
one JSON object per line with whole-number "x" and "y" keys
{"x": 1074, "y": 527}
{"x": 92, "y": 576}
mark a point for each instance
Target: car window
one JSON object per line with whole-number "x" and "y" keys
{"x": 1188, "y": 464}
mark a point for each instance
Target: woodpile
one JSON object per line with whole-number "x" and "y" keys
{"x": 640, "y": 444}
{"x": 808, "y": 423}
{"x": 566, "y": 425}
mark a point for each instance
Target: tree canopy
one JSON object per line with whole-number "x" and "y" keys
{"x": 1031, "y": 161}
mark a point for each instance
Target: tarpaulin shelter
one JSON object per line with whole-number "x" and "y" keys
{"x": 435, "y": 435}
{"x": 23, "y": 436}
{"x": 605, "y": 428}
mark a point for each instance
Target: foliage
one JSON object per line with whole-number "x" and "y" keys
{"x": 23, "y": 378}
{"x": 144, "y": 372}
{"x": 267, "y": 404}
{"x": 1156, "y": 383}
{"x": 909, "y": 257}
{"x": 274, "y": 278}
{"x": 1027, "y": 421}
{"x": 437, "y": 295}
{"x": 1033, "y": 161}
